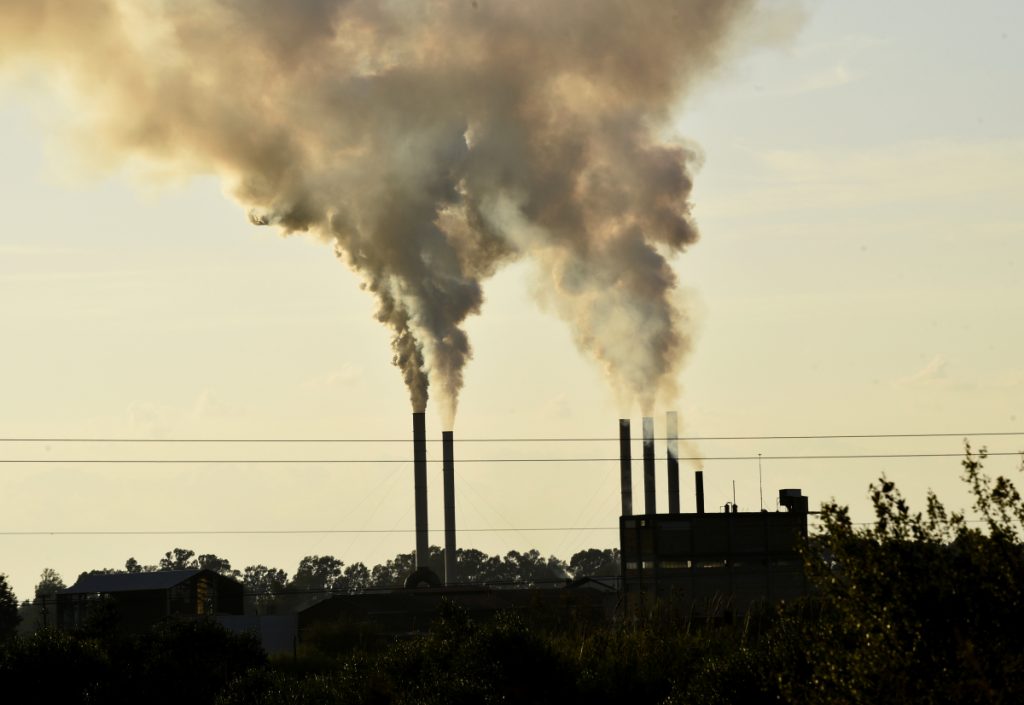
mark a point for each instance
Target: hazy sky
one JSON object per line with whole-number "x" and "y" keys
{"x": 859, "y": 272}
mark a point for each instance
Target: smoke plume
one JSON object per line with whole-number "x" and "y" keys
{"x": 430, "y": 142}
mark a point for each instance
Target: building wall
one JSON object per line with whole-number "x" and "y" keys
{"x": 712, "y": 559}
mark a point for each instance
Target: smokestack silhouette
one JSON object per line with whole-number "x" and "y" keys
{"x": 448, "y": 469}
{"x": 419, "y": 470}
{"x": 698, "y": 480}
{"x": 650, "y": 506}
{"x": 626, "y": 467}
{"x": 672, "y": 446}
{"x": 429, "y": 143}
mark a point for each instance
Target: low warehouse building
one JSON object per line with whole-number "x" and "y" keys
{"x": 136, "y": 601}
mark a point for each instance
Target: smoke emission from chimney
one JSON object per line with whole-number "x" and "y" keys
{"x": 428, "y": 142}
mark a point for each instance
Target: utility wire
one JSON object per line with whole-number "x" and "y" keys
{"x": 205, "y": 532}
{"x": 201, "y": 532}
{"x": 499, "y": 440}
{"x": 360, "y": 461}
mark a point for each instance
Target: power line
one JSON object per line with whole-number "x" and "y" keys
{"x": 366, "y": 461}
{"x": 69, "y": 439}
{"x": 282, "y": 532}
{"x": 246, "y": 532}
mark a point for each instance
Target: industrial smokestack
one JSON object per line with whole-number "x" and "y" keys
{"x": 626, "y": 467}
{"x": 649, "y": 503}
{"x": 448, "y": 470}
{"x": 419, "y": 470}
{"x": 672, "y": 434}
{"x": 698, "y": 478}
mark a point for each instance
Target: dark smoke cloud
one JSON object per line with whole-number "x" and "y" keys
{"x": 428, "y": 141}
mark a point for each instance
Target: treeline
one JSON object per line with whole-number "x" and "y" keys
{"x": 327, "y": 574}
{"x": 917, "y": 608}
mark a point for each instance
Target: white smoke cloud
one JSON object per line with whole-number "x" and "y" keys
{"x": 430, "y": 142}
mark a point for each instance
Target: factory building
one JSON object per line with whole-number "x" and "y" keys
{"x": 702, "y": 560}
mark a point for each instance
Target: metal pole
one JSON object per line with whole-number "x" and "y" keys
{"x": 760, "y": 481}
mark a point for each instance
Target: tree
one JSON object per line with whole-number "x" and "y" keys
{"x": 531, "y": 568}
{"x": 54, "y": 666}
{"x": 263, "y": 585}
{"x": 50, "y": 583}
{"x": 317, "y": 574}
{"x": 98, "y": 571}
{"x": 595, "y": 562}
{"x": 356, "y": 578}
{"x": 186, "y": 559}
{"x": 210, "y": 561}
{"x": 394, "y": 572}
{"x": 185, "y": 661}
{"x": 473, "y": 566}
{"x": 9, "y": 617}
{"x": 133, "y": 566}
{"x": 916, "y": 607}
{"x": 261, "y": 579}
{"x": 179, "y": 559}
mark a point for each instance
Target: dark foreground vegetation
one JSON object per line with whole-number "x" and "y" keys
{"x": 918, "y": 608}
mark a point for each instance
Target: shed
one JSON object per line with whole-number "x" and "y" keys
{"x": 136, "y": 601}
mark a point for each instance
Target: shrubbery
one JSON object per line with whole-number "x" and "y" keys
{"x": 921, "y": 606}
{"x": 177, "y": 661}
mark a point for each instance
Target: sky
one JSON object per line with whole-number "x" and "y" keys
{"x": 859, "y": 272}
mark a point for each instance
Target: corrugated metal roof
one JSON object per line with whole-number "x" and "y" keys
{"x": 128, "y": 582}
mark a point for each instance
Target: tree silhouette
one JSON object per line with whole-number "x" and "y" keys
{"x": 917, "y": 606}
{"x": 133, "y": 566}
{"x": 317, "y": 574}
{"x": 394, "y": 572}
{"x": 262, "y": 585}
{"x": 595, "y": 562}
{"x": 356, "y": 578}
{"x": 210, "y": 561}
{"x": 179, "y": 559}
{"x": 9, "y": 617}
{"x": 49, "y": 584}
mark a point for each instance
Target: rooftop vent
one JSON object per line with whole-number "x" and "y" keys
{"x": 793, "y": 500}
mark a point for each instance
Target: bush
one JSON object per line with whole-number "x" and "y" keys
{"x": 53, "y": 666}
{"x": 184, "y": 661}
{"x": 917, "y": 608}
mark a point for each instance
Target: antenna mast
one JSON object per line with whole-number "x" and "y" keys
{"x": 760, "y": 480}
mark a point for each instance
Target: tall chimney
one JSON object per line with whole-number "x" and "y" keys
{"x": 448, "y": 470}
{"x": 626, "y": 467}
{"x": 649, "y": 505}
{"x": 419, "y": 471}
{"x": 698, "y": 478}
{"x": 672, "y": 434}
